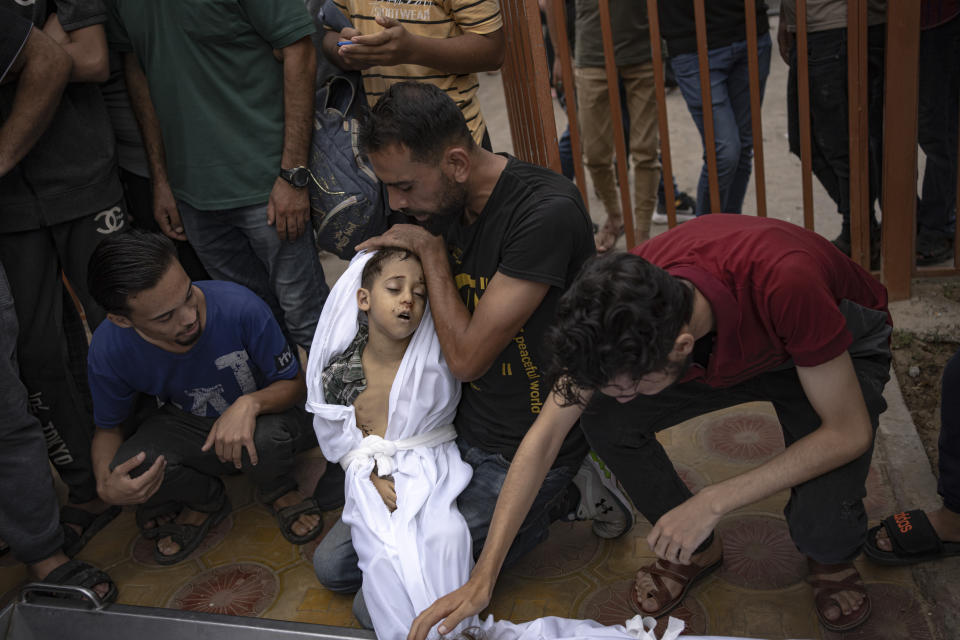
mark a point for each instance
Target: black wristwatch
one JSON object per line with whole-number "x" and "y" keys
{"x": 299, "y": 177}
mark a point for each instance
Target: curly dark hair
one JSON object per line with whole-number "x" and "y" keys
{"x": 621, "y": 315}
{"x": 418, "y": 116}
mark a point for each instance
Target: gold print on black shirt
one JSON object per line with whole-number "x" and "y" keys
{"x": 531, "y": 370}
{"x": 471, "y": 289}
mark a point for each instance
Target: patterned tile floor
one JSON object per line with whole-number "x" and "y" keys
{"x": 246, "y": 568}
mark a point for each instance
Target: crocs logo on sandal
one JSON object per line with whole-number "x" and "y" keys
{"x": 903, "y": 521}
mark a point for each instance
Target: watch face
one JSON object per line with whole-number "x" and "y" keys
{"x": 300, "y": 177}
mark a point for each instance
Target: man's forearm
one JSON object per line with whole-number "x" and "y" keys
{"x": 467, "y": 53}
{"x": 146, "y": 116}
{"x": 824, "y": 450}
{"x": 845, "y": 432}
{"x": 451, "y": 317}
{"x": 43, "y": 73}
{"x": 106, "y": 443}
{"x": 529, "y": 467}
{"x": 278, "y": 396}
{"x": 299, "y": 82}
{"x": 87, "y": 47}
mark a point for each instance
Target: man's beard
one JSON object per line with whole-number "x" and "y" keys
{"x": 186, "y": 342}
{"x": 452, "y": 205}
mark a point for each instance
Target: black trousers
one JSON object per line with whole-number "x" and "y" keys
{"x": 191, "y": 476}
{"x": 830, "y": 157}
{"x": 29, "y": 514}
{"x": 826, "y": 516}
{"x": 949, "y": 444}
{"x": 52, "y": 359}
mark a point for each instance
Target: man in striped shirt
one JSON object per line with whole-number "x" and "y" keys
{"x": 443, "y": 42}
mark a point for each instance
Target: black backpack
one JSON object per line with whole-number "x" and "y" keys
{"x": 348, "y": 202}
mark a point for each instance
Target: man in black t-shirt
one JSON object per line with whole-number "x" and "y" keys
{"x": 499, "y": 240}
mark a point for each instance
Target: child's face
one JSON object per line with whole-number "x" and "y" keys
{"x": 395, "y": 302}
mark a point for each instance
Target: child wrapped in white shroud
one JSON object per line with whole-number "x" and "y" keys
{"x": 421, "y": 551}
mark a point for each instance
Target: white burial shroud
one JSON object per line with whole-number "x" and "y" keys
{"x": 422, "y": 550}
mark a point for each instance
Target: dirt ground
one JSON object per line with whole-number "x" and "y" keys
{"x": 926, "y": 336}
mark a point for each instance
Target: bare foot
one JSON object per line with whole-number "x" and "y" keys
{"x": 645, "y": 586}
{"x": 42, "y": 569}
{"x": 167, "y": 546}
{"x": 945, "y": 522}
{"x": 846, "y": 602}
{"x": 159, "y": 521}
{"x": 306, "y": 522}
{"x": 608, "y": 234}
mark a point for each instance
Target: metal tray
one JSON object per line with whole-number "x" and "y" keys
{"x": 51, "y": 612}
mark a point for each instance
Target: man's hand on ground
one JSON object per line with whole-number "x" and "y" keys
{"x": 390, "y": 47}
{"x": 453, "y": 608}
{"x": 677, "y": 534}
{"x": 232, "y": 432}
{"x": 386, "y": 488}
{"x": 165, "y": 212}
{"x": 120, "y": 488}
{"x": 288, "y": 209}
{"x": 406, "y": 236}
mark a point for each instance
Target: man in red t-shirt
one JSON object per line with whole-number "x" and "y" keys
{"x": 722, "y": 310}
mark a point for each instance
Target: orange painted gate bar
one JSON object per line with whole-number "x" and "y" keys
{"x": 534, "y": 132}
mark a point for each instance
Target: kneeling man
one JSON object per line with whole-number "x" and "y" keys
{"x": 231, "y": 391}
{"x": 722, "y": 310}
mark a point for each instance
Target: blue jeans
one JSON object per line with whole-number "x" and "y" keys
{"x": 937, "y": 127}
{"x": 239, "y": 245}
{"x": 730, "y": 92}
{"x": 335, "y": 560}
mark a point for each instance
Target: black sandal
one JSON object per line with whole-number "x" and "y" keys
{"x": 90, "y": 524}
{"x": 145, "y": 514}
{"x": 76, "y": 573}
{"x": 287, "y": 516}
{"x": 913, "y": 539}
{"x": 188, "y": 536}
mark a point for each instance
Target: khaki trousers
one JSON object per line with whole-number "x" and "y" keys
{"x": 596, "y": 133}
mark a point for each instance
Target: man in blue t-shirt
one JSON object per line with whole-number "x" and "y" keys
{"x": 230, "y": 389}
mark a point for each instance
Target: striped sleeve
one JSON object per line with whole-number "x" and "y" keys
{"x": 477, "y": 16}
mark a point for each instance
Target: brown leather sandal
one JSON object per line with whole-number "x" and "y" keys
{"x": 824, "y": 590}
{"x": 684, "y": 574}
